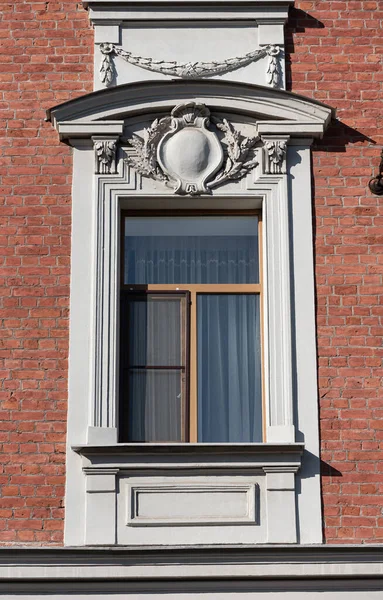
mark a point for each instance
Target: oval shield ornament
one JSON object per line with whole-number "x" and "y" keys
{"x": 182, "y": 152}
{"x": 189, "y": 154}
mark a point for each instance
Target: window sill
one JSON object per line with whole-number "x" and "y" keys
{"x": 284, "y": 457}
{"x": 180, "y": 493}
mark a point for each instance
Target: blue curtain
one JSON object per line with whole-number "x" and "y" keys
{"x": 229, "y": 368}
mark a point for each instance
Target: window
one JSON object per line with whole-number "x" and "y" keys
{"x": 190, "y": 335}
{"x": 289, "y": 501}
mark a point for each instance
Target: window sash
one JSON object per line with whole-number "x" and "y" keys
{"x": 148, "y": 370}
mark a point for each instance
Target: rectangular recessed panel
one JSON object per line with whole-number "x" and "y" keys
{"x": 183, "y": 504}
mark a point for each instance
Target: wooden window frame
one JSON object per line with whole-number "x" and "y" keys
{"x": 194, "y": 289}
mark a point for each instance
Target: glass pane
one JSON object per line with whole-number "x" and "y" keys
{"x": 191, "y": 250}
{"x": 155, "y": 406}
{"x": 229, "y": 368}
{"x": 153, "y": 367}
{"x": 155, "y": 331}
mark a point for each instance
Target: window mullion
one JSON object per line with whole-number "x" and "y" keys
{"x": 193, "y": 417}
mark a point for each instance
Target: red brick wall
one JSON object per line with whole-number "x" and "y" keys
{"x": 45, "y": 58}
{"x": 335, "y": 49}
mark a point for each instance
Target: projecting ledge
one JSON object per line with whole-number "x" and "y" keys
{"x": 266, "y": 457}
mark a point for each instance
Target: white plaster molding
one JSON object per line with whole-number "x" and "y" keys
{"x": 202, "y": 475}
{"x": 279, "y": 390}
{"x": 101, "y": 506}
{"x": 105, "y": 152}
{"x": 81, "y": 129}
{"x": 280, "y": 502}
{"x": 107, "y": 31}
{"x": 144, "y": 10}
{"x": 162, "y": 503}
{"x": 105, "y": 310}
{"x": 275, "y": 150}
{"x": 273, "y": 190}
{"x": 283, "y": 112}
{"x": 107, "y": 69}
{"x": 189, "y": 153}
{"x": 104, "y": 397}
{"x": 325, "y": 563}
{"x": 274, "y": 71}
{"x": 188, "y": 70}
{"x": 160, "y": 154}
{"x": 259, "y": 457}
{"x": 106, "y": 3}
{"x": 168, "y": 52}
{"x": 305, "y": 383}
{"x": 271, "y": 30}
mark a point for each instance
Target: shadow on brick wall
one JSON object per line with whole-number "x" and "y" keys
{"x": 327, "y": 470}
{"x": 298, "y": 22}
{"x": 338, "y": 136}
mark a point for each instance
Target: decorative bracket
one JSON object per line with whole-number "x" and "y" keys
{"x": 274, "y": 151}
{"x": 105, "y": 151}
{"x": 183, "y": 153}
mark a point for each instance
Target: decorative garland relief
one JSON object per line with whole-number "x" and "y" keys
{"x": 190, "y": 70}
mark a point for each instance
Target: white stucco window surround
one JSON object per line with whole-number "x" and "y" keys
{"x": 192, "y": 493}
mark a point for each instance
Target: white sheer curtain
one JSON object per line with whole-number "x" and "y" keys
{"x": 191, "y": 250}
{"x": 229, "y": 368}
{"x": 155, "y": 392}
{"x": 191, "y": 259}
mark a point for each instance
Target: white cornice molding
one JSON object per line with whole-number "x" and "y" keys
{"x": 281, "y": 112}
{"x": 254, "y": 3}
{"x": 75, "y": 129}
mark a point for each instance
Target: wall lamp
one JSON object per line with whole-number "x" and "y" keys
{"x": 376, "y": 183}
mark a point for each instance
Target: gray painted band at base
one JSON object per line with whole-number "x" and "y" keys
{"x": 265, "y": 572}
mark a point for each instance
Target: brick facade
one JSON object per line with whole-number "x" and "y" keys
{"x": 46, "y": 58}
{"x": 336, "y": 57}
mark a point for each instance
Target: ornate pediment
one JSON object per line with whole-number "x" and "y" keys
{"x": 206, "y": 133}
